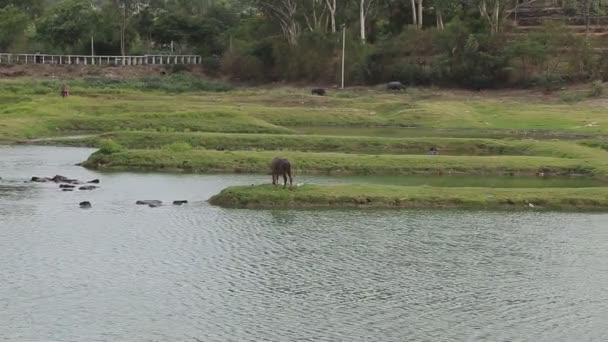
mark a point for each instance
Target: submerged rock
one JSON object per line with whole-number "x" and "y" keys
{"x": 155, "y": 203}
{"x": 39, "y": 179}
{"x": 85, "y": 205}
{"x": 60, "y": 179}
{"x": 180, "y": 202}
{"x": 67, "y": 189}
{"x": 88, "y": 187}
{"x": 66, "y": 186}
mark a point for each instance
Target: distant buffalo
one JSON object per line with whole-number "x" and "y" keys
{"x": 318, "y": 91}
{"x": 281, "y": 167}
{"x": 395, "y": 86}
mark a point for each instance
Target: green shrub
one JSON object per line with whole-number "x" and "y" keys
{"x": 549, "y": 82}
{"x": 178, "y": 147}
{"x": 109, "y": 146}
{"x": 212, "y": 65}
{"x": 597, "y": 89}
{"x": 571, "y": 97}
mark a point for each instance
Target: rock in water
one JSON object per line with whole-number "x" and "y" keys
{"x": 39, "y": 179}
{"x": 155, "y": 203}
{"x": 85, "y": 205}
{"x": 60, "y": 179}
{"x": 67, "y": 189}
{"x": 94, "y": 181}
{"x": 180, "y": 202}
{"x": 88, "y": 187}
{"x": 66, "y": 186}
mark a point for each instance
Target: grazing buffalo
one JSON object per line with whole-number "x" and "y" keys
{"x": 281, "y": 167}
{"x": 395, "y": 86}
{"x": 318, "y": 91}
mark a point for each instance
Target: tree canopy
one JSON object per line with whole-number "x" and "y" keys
{"x": 466, "y": 42}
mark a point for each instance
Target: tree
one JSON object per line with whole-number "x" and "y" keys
{"x": 315, "y": 15}
{"x": 285, "y": 12}
{"x": 441, "y": 8}
{"x": 331, "y": 6}
{"x": 494, "y": 12}
{"x": 68, "y": 24}
{"x": 127, "y": 9}
{"x": 13, "y": 23}
{"x": 364, "y": 10}
{"x": 32, "y": 8}
{"x": 414, "y": 16}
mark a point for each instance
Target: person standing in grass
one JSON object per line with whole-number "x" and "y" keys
{"x": 65, "y": 91}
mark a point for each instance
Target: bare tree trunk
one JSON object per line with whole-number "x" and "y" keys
{"x": 285, "y": 12}
{"x": 420, "y": 7}
{"x": 362, "y": 15}
{"x": 493, "y": 18}
{"x": 331, "y": 5}
{"x": 414, "y": 20}
{"x": 587, "y": 15}
{"x": 122, "y": 40}
{"x": 439, "y": 19}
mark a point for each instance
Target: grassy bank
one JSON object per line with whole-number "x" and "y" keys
{"x": 336, "y": 163}
{"x": 315, "y": 143}
{"x": 33, "y": 109}
{"x": 380, "y": 196}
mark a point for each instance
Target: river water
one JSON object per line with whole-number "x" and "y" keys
{"x": 121, "y": 272}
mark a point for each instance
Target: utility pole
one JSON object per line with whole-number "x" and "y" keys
{"x": 343, "y": 51}
{"x": 92, "y": 47}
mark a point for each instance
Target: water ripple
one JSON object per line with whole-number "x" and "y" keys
{"x": 121, "y": 272}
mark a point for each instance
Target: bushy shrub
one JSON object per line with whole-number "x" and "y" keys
{"x": 549, "y": 82}
{"x": 241, "y": 67}
{"x": 109, "y": 146}
{"x": 212, "y": 65}
{"x": 597, "y": 89}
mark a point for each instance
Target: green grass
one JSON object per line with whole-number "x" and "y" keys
{"x": 339, "y": 163}
{"x": 177, "y": 122}
{"x": 381, "y": 196}
{"x": 33, "y": 109}
{"x": 373, "y": 145}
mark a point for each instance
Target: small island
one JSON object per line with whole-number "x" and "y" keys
{"x": 387, "y": 197}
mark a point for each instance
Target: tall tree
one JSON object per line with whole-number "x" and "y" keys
{"x": 414, "y": 16}
{"x": 126, "y": 10}
{"x": 494, "y": 12}
{"x": 285, "y": 12}
{"x": 68, "y": 24}
{"x": 33, "y": 8}
{"x": 13, "y": 23}
{"x": 315, "y": 15}
{"x": 332, "y": 7}
{"x": 365, "y": 6}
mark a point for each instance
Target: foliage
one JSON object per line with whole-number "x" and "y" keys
{"x": 108, "y": 146}
{"x": 68, "y": 25}
{"x": 597, "y": 89}
{"x": 387, "y": 197}
{"x": 13, "y": 23}
{"x": 455, "y": 43}
{"x": 178, "y": 147}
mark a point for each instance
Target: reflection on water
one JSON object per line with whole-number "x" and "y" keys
{"x": 121, "y": 272}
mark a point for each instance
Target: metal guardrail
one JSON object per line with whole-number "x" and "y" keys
{"x": 11, "y": 58}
